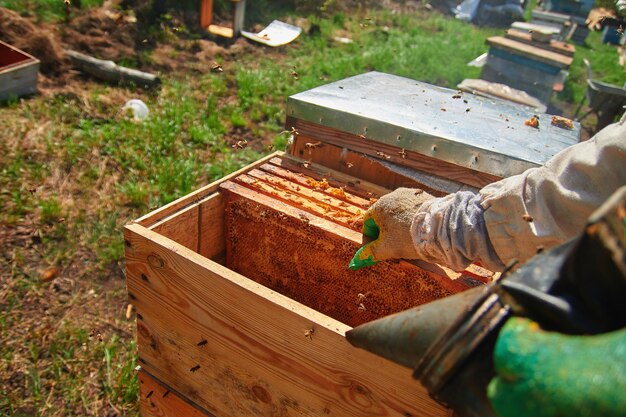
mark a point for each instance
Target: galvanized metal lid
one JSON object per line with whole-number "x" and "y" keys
{"x": 482, "y": 134}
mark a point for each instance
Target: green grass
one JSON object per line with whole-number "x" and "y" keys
{"x": 45, "y": 10}
{"x": 74, "y": 170}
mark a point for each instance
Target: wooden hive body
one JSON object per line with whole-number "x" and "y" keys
{"x": 296, "y": 235}
{"x": 215, "y": 342}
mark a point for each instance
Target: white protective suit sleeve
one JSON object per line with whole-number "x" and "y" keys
{"x": 513, "y": 218}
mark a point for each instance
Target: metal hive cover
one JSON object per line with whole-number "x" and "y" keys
{"x": 483, "y": 134}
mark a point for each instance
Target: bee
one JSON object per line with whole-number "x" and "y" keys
{"x": 216, "y": 67}
{"x": 309, "y": 333}
{"x": 295, "y": 75}
{"x": 533, "y": 122}
{"x": 360, "y": 296}
{"x": 402, "y": 153}
{"x": 240, "y": 144}
{"x": 304, "y": 218}
{"x": 202, "y": 342}
{"x": 95, "y": 333}
{"x": 362, "y": 136}
{"x": 362, "y": 307}
{"x": 383, "y": 155}
{"x": 293, "y": 131}
{"x": 270, "y": 147}
{"x": 166, "y": 393}
{"x": 150, "y": 394}
{"x": 310, "y": 146}
{"x": 195, "y": 368}
{"x": 528, "y": 218}
{"x": 467, "y": 110}
{"x": 349, "y": 164}
{"x": 456, "y": 96}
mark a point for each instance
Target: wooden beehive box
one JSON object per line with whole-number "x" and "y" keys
{"x": 223, "y": 333}
{"x": 234, "y": 346}
{"x": 18, "y": 72}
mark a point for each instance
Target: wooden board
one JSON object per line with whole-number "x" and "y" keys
{"x": 554, "y": 45}
{"x": 530, "y": 51}
{"x": 158, "y": 400}
{"x": 236, "y": 348}
{"x": 313, "y": 133}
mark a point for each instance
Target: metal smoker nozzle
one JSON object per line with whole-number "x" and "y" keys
{"x": 405, "y": 337}
{"x": 448, "y": 344}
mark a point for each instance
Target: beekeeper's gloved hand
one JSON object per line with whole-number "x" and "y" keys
{"x": 387, "y": 227}
{"x": 450, "y": 230}
{"x": 547, "y": 374}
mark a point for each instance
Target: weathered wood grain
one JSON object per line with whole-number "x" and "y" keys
{"x": 198, "y": 226}
{"x": 237, "y": 348}
{"x": 181, "y": 227}
{"x": 310, "y": 131}
{"x": 158, "y": 400}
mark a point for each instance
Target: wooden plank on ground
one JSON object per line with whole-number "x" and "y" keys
{"x": 237, "y": 348}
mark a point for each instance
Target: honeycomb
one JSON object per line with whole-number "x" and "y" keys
{"x": 294, "y": 233}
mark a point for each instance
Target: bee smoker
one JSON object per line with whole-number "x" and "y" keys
{"x": 575, "y": 288}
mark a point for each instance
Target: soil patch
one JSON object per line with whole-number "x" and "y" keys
{"x": 37, "y": 41}
{"x": 103, "y": 33}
